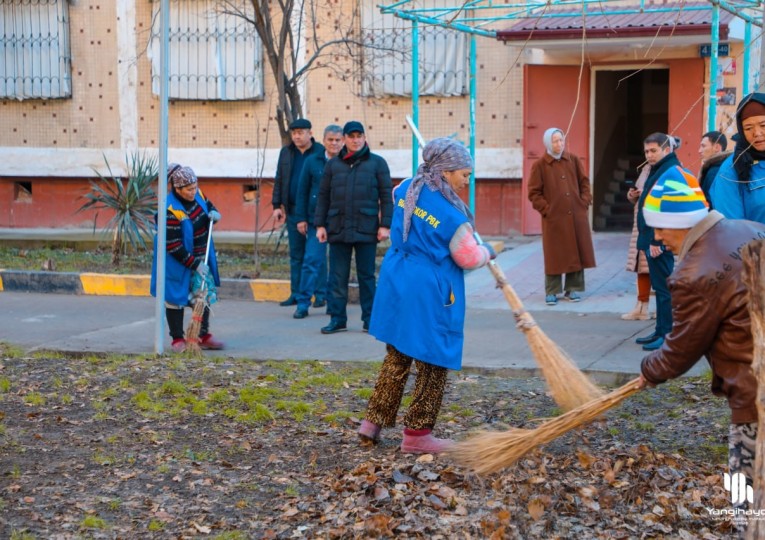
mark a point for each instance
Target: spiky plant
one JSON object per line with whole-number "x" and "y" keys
{"x": 132, "y": 200}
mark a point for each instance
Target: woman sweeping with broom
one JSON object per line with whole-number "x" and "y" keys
{"x": 419, "y": 307}
{"x": 189, "y": 214}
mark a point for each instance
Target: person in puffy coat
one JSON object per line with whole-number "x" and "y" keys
{"x": 420, "y": 309}
{"x": 189, "y": 214}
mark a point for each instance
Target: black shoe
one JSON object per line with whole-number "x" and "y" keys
{"x": 646, "y": 339}
{"x": 366, "y": 326}
{"x": 289, "y": 302}
{"x": 319, "y": 303}
{"x": 334, "y": 327}
{"x": 655, "y": 344}
{"x": 300, "y": 313}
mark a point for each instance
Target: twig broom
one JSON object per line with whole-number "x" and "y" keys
{"x": 569, "y": 387}
{"x": 490, "y": 451}
{"x": 192, "y": 332}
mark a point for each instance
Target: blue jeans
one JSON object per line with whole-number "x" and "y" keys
{"x": 313, "y": 274}
{"x": 659, "y": 269}
{"x": 340, "y": 272}
{"x": 297, "y": 251}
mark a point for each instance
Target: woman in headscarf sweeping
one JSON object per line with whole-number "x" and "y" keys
{"x": 419, "y": 308}
{"x": 560, "y": 190}
{"x": 189, "y": 214}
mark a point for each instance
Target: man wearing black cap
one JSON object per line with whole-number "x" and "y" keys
{"x": 284, "y": 198}
{"x": 353, "y": 213}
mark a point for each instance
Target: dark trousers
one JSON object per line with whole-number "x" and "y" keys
{"x": 659, "y": 269}
{"x": 297, "y": 251}
{"x": 427, "y": 395}
{"x": 175, "y": 322}
{"x": 313, "y": 275}
{"x": 340, "y": 272}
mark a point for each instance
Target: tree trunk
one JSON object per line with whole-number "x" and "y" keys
{"x": 116, "y": 245}
{"x": 754, "y": 277}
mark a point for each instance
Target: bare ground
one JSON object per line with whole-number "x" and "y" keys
{"x": 133, "y": 447}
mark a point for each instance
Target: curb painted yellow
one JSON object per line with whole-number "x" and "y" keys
{"x": 115, "y": 285}
{"x": 1, "y": 283}
{"x": 270, "y": 290}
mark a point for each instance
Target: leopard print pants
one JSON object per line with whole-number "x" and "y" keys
{"x": 426, "y": 398}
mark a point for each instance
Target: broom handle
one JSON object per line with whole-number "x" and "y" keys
{"x": 209, "y": 241}
{"x": 510, "y": 294}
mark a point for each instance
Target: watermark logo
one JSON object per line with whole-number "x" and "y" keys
{"x": 740, "y": 492}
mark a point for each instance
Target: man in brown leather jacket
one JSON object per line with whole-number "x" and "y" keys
{"x": 709, "y": 305}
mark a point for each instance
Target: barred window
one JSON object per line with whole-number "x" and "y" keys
{"x": 212, "y": 54}
{"x": 35, "y": 58}
{"x": 387, "y": 68}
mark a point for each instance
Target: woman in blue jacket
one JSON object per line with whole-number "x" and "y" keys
{"x": 419, "y": 307}
{"x": 188, "y": 224}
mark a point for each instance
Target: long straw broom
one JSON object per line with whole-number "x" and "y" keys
{"x": 569, "y": 387}
{"x": 192, "y": 332}
{"x": 490, "y": 451}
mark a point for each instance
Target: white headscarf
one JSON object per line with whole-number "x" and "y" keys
{"x": 547, "y": 139}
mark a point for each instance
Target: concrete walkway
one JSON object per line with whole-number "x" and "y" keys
{"x": 590, "y": 331}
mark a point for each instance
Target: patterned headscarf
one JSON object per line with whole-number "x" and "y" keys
{"x": 180, "y": 176}
{"x": 547, "y": 140}
{"x": 440, "y": 155}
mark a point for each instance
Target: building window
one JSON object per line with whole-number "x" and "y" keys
{"x": 212, "y": 54}
{"x": 387, "y": 66}
{"x": 35, "y": 58}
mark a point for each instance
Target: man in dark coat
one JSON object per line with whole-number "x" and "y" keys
{"x": 353, "y": 213}
{"x": 712, "y": 151}
{"x": 659, "y": 153}
{"x": 313, "y": 276}
{"x": 284, "y": 198}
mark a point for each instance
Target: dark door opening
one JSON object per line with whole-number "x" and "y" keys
{"x": 629, "y": 106}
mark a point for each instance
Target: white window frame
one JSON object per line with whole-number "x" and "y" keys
{"x": 213, "y": 55}
{"x": 35, "y": 53}
{"x": 387, "y": 53}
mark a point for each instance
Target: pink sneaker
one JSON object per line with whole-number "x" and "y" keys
{"x": 424, "y": 444}
{"x": 179, "y": 345}
{"x": 369, "y": 431}
{"x": 208, "y": 342}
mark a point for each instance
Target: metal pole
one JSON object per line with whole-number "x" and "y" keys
{"x": 415, "y": 93}
{"x": 747, "y": 43}
{"x": 159, "y": 304}
{"x": 712, "y": 116}
{"x": 473, "y": 77}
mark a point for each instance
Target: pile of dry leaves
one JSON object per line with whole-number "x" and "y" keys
{"x": 228, "y": 449}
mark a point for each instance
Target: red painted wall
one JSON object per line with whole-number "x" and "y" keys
{"x": 54, "y": 203}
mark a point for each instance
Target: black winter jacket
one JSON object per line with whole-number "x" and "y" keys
{"x": 308, "y": 188}
{"x": 355, "y": 198}
{"x": 281, "y": 191}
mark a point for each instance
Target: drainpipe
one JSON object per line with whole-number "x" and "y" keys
{"x": 415, "y": 93}
{"x": 712, "y": 116}
{"x": 747, "y": 41}
{"x": 473, "y": 77}
{"x": 159, "y": 304}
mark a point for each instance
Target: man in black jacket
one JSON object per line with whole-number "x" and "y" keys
{"x": 284, "y": 198}
{"x": 712, "y": 151}
{"x": 313, "y": 276}
{"x": 353, "y": 213}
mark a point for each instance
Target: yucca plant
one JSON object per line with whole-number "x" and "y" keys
{"x": 132, "y": 200}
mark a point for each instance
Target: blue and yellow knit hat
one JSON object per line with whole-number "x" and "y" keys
{"x": 675, "y": 201}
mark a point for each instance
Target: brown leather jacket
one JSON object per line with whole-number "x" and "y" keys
{"x": 711, "y": 315}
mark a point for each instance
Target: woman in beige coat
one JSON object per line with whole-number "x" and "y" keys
{"x": 636, "y": 261}
{"x": 560, "y": 190}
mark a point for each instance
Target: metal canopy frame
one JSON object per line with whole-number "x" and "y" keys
{"x": 483, "y": 17}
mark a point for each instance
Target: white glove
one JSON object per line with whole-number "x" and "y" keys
{"x": 214, "y": 215}
{"x": 203, "y": 270}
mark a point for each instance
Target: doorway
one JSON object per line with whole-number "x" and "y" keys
{"x": 628, "y": 106}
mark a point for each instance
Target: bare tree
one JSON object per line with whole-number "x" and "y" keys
{"x": 280, "y": 27}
